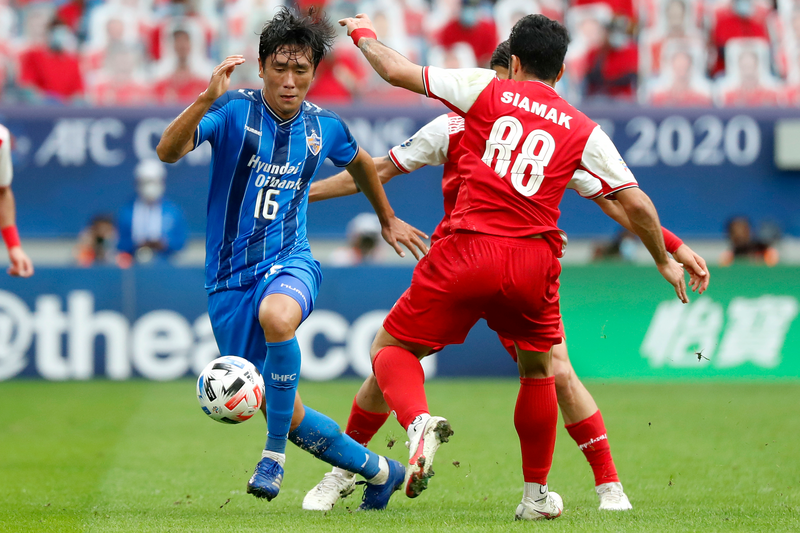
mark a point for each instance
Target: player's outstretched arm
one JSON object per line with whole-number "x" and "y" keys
{"x": 343, "y": 184}
{"x": 21, "y": 264}
{"x": 693, "y": 263}
{"x": 644, "y": 222}
{"x": 391, "y": 65}
{"x": 178, "y": 139}
{"x": 394, "y": 230}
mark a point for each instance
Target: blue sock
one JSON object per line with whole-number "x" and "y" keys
{"x": 281, "y": 370}
{"x": 323, "y": 438}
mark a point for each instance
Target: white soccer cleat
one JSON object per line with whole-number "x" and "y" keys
{"x": 612, "y": 497}
{"x": 548, "y": 508}
{"x": 422, "y": 447}
{"x": 333, "y": 487}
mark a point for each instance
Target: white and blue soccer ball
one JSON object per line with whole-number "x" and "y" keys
{"x": 230, "y": 389}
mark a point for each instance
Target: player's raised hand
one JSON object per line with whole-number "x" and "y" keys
{"x": 357, "y": 22}
{"x": 695, "y": 266}
{"x": 221, "y": 77}
{"x": 21, "y": 265}
{"x": 673, "y": 272}
{"x": 397, "y": 232}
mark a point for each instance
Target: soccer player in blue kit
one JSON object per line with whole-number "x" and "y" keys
{"x": 261, "y": 278}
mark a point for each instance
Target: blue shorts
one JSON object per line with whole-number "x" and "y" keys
{"x": 234, "y": 312}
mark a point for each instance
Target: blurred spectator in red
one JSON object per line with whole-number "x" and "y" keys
{"x": 339, "y": 76}
{"x": 97, "y": 243}
{"x": 109, "y": 29}
{"x": 183, "y": 74}
{"x": 508, "y": 12}
{"x": 459, "y": 55}
{"x": 676, "y": 23}
{"x": 682, "y": 82}
{"x": 53, "y": 71}
{"x": 621, "y": 8}
{"x": 121, "y": 82}
{"x": 747, "y": 81}
{"x": 743, "y": 246}
{"x": 740, "y": 18}
{"x": 474, "y": 27}
{"x": 243, "y": 21}
{"x": 613, "y": 67}
{"x": 73, "y": 14}
{"x": 586, "y": 25}
{"x": 183, "y": 14}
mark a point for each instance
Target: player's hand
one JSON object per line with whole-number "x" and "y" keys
{"x": 397, "y": 232}
{"x": 221, "y": 77}
{"x": 695, "y": 266}
{"x": 354, "y": 23}
{"x": 21, "y": 265}
{"x": 673, "y": 272}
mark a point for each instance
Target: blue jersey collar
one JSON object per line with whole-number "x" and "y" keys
{"x": 277, "y": 118}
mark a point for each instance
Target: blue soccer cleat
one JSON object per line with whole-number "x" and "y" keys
{"x": 266, "y": 480}
{"x": 376, "y": 497}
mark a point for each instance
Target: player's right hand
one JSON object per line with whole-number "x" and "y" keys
{"x": 396, "y": 231}
{"x": 221, "y": 77}
{"x": 673, "y": 272}
{"x": 695, "y": 265}
{"x": 21, "y": 265}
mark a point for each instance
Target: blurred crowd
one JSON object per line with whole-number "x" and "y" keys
{"x": 656, "y": 52}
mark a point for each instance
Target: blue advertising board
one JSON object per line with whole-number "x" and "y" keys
{"x": 700, "y": 166}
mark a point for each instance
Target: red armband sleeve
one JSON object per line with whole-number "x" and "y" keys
{"x": 10, "y": 236}
{"x": 671, "y": 241}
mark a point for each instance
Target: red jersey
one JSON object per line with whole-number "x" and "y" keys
{"x": 522, "y": 144}
{"x": 439, "y": 143}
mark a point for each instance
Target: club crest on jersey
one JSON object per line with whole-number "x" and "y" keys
{"x": 314, "y": 142}
{"x": 624, "y": 164}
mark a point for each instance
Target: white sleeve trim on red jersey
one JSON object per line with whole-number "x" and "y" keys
{"x": 428, "y": 146}
{"x": 459, "y": 87}
{"x": 6, "y": 169}
{"x": 602, "y": 160}
{"x": 586, "y": 185}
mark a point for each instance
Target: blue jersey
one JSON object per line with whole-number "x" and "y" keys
{"x": 261, "y": 169}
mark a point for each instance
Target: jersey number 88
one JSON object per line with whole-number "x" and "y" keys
{"x": 503, "y": 140}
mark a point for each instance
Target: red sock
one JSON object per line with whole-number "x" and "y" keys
{"x": 362, "y": 425}
{"x": 402, "y": 381}
{"x": 536, "y": 418}
{"x": 590, "y": 435}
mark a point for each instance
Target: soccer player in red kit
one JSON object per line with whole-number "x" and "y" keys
{"x": 438, "y": 143}
{"x": 501, "y": 261}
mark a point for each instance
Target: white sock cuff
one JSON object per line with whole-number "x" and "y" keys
{"x": 279, "y": 458}
{"x": 535, "y": 491}
{"x": 383, "y": 474}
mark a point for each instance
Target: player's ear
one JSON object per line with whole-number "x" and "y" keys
{"x": 561, "y": 72}
{"x": 516, "y": 66}
{"x": 261, "y": 69}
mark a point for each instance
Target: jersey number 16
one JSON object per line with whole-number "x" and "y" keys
{"x": 536, "y": 152}
{"x": 266, "y": 205}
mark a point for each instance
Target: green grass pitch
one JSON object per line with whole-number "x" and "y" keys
{"x": 141, "y": 456}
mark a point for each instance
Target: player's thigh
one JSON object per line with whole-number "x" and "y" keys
{"x": 527, "y": 310}
{"x": 236, "y": 328}
{"x": 448, "y": 292}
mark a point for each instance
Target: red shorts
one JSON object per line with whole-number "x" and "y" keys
{"x": 511, "y": 282}
{"x": 508, "y": 344}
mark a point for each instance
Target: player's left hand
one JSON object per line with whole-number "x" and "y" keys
{"x": 21, "y": 265}
{"x": 673, "y": 273}
{"x": 397, "y": 232}
{"x": 695, "y": 266}
{"x": 354, "y": 23}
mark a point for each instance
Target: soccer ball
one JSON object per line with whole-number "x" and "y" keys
{"x": 230, "y": 389}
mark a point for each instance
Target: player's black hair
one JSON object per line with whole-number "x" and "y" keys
{"x": 501, "y": 57}
{"x": 540, "y": 44}
{"x": 301, "y": 32}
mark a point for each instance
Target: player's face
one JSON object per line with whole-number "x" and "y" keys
{"x": 287, "y": 77}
